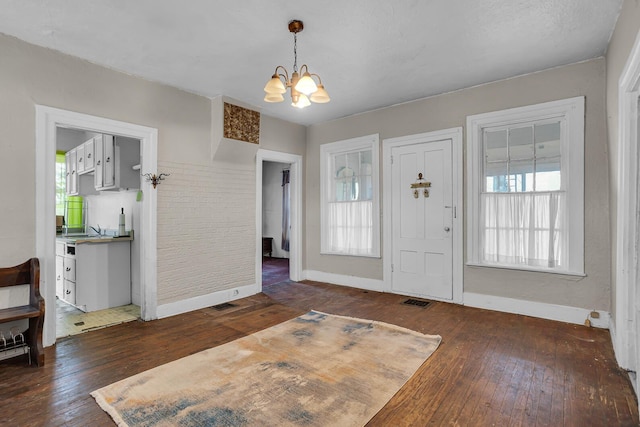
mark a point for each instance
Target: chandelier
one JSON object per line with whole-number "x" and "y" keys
{"x": 304, "y": 90}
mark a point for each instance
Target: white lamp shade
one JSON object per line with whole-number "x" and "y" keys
{"x": 303, "y": 101}
{"x": 306, "y": 84}
{"x": 274, "y": 85}
{"x": 320, "y": 96}
{"x": 274, "y": 97}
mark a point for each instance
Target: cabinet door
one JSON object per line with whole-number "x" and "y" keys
{"x": 69, "y": 292}
{"x": 59, "y": 276}
{"x": 80, "y": 159}
{"x": 97, "y": 154}
{"x": 72, "y": 175}
{"x": 70, "y": 269}
{"x": 88, "y": 155}
{"x": 109, "y": 168}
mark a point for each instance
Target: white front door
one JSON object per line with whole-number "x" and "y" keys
{"x": 422, "y": 219}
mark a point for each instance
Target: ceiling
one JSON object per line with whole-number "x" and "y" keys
{"x": 369, "y": 53}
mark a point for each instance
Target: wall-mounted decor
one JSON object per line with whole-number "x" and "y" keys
{"x": 241, "y": 124}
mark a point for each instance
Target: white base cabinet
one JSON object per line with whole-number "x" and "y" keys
{"x": 103, "y": 275}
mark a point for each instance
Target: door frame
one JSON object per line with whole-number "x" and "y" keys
{"x": 455, "y": 135}
{"x": 625, "y": 329}
{"x": 295, "y": 237}
{"x": 48, "y": 119}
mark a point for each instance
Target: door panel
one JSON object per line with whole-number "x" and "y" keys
{"x": 422, "y": 245}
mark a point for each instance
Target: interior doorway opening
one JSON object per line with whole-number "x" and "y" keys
{"x": 98, "y": 257}
{"x": 276, "y": 222}
{"x": 278, "y": 217}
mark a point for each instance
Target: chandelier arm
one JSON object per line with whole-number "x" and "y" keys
{"x": 285, "y": 75}
{"x": 314, "y": 74}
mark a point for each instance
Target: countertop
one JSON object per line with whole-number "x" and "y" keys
{"x": 95, "y": 239}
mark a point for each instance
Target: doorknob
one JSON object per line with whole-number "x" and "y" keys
{"x": 447, "y": 229}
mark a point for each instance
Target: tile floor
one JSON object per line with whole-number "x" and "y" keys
{"x": 71, "y": 321}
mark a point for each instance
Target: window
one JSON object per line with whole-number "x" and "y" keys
{"x": 61, "y": 183}
{"x": 526, "y": 187}
{"x": 349, "y": 197}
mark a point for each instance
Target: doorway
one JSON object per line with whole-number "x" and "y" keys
{"x": 270, "y": 178}
{"x": 625, "y": 330}
{"x": 48, "y": 120}
{"x": 276, "y": 222}
{"x": 89, "y": 296}
{"x": 423, "y": 223}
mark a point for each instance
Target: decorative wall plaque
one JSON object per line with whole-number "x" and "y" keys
{"x": 241, "y": 124}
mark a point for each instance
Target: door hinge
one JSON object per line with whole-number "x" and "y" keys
{"x": 391, "y": 159}
{"x": 392, "y": 268}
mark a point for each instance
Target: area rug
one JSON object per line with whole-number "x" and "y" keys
{"x": 315, "y": 370}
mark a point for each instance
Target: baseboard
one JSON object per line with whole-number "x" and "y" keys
{"x": 342, "y": 280}
{"x": 203, "y": 301}
{"x": 561, "y": 313}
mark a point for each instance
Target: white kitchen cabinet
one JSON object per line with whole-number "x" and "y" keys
{"x": 89, "y": 165}
{"x": 72, "y": 175}
{"x": 80, "y": 159}
{"x": 103, "y": 275}
{"x": 77, "y": 180}
{"x": 69, "y": 277}
{"x": 60, "y": 270}
{"x": 113, "y": 163}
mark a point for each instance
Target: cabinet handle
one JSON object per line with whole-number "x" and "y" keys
{"x": 98, "y": 163}
{"x": 89, "y": 156}
{"x": 58, "y": 278}
{"x": 68, "y": 269}
{"x": 80, "y": 159}
{"x": 108, "y": 159}
{"x": 68, "y": 292}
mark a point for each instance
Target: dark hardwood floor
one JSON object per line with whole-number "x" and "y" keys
{"x": 491, "y": 369}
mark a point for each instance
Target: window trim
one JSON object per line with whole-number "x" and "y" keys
{"x": 571, "y": 112}
{"x": 344, "y": 146}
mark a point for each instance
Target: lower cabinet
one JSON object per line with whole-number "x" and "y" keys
{"x": 103, "y": 275}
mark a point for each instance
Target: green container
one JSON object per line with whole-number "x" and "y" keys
{"x": 74, "y": 215}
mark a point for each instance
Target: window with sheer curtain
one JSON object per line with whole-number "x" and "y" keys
{"x": 526, "y": 187}
{"x": 349, "y": 205}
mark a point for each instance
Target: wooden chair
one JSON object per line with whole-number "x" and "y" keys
{"x": 26, "y": 273}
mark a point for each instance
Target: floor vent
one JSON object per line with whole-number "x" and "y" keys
{"x": 79, "y": 323}
{"x": 416, "y": 302}
{"x": 223, "y": 306}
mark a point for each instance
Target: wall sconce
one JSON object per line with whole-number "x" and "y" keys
{"x": 155, "y": 180}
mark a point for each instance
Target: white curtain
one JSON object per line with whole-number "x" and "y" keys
{"x": 525, "y": 229}
{"x": 350, "y": 227}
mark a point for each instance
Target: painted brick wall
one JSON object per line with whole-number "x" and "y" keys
{"x": 206, "y": 229}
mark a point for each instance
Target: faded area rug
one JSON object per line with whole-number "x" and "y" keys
{"x": 315, "y": 370}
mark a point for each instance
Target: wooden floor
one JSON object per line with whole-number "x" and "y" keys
{"x": 492, "y": 369}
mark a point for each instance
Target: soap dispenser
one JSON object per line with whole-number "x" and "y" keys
{"x": 121, "y": 231}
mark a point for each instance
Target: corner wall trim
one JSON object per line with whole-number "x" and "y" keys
{"x": 560, "y": 313}
{"x": 342, "y": 280}
{"x": 203, "y": 301}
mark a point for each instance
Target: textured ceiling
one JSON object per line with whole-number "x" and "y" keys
{"x": 369, "y": 53}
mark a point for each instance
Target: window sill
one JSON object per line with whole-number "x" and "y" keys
{"x": 346, "y": 254}
{"x": 530, "y": 269}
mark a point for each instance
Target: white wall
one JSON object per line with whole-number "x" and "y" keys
{"x": 449, "y": 111}
{"x": 203, "y": 199}
{"x": 272, "y": 205}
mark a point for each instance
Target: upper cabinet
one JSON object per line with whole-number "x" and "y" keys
{"x": 103, "y": 162}
{"x": 72, "y": 172}
{"x": 114, "y": 161}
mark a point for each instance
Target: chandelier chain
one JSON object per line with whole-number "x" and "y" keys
{"x": 295, "y": 52}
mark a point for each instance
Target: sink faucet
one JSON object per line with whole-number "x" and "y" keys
{"x": 98, "y": 230}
